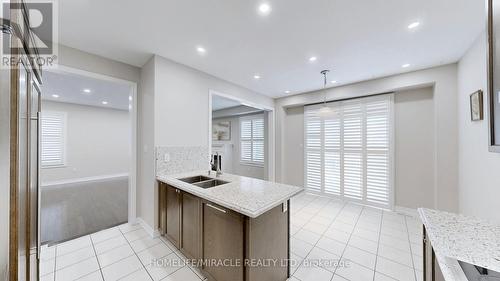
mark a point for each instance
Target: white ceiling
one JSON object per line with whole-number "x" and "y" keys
{"x": 70, "y": 89}
{"x": 357, "y": 40}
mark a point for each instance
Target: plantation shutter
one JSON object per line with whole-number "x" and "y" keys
{"x": 52, "y": 139}
{"x": 348, "y": 153}
{"x": 252, "y": 147}
{"x": 246, "y": 140}
{"x": 313, "y": 149}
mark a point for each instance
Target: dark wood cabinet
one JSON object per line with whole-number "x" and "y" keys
{"x": 207, "y": 232}
{"x": 173, "y": 204}
{"x": 191, "y": 226}
{"x": 223, "y": 240}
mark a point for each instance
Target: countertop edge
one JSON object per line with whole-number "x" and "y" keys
{"x": 450, "y": 268}
{"x": 449, "y": 265}
{"x": 243, "y": 211}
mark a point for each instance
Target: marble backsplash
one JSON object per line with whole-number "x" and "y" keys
{"x": 180, "y": 159}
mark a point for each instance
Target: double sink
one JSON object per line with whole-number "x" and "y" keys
{"x": 203, "y": 181}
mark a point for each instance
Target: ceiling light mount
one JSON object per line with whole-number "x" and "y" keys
{"x": 201, "y": 50}
{"x": 264, "y": 9}
{"x": 413, "y": 25}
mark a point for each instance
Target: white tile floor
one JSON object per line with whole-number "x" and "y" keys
{"x": 369, "y": 243}
{"x": 372, "y": 244}
{"x": 125, "y": 252}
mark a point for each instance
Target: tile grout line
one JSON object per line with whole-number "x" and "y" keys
{"x": 55, "y": 260}
{"x": 95, "y": 252}
{"x": 378, "y": 244}
{"x": 347, "y": 242}
{"x": 411, "y": 251}
{"x": 322, "y": 235}
{"x": 143, "y": 266}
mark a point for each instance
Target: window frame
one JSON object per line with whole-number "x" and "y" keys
{"x": 64, "y": 120}
{"x": 252, "y": 162}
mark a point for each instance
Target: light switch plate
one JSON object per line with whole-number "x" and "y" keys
{"x": 166, "y": 157}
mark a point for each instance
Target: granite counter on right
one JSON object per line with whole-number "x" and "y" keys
{"x": 452, "y": 239}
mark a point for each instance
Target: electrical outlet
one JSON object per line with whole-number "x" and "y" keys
{"x": 166, "y": 157}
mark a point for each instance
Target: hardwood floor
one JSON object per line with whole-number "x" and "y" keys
{"x": 74, "y": 210}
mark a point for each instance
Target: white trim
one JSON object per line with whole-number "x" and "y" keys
{"x": 271, "y": 132}
{"x": 85, "y": 179}
{"x": 152, "y": 233}
{"x": 132, "y": 188}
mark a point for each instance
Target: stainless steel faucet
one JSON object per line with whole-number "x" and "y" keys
{"x": 218, "y": 170}
{"x": 217, "y": 164}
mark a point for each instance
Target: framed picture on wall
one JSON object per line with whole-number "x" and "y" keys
{"x": 221, "y": 130}
{"x": 476, "y": 106}
{"x": 494, "y": 74}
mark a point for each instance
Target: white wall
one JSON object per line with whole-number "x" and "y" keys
{"x": 236, "y": 167}
{"x": 181, "y": 103}
{"x": 443, "y": 79}
{"x": 414, "y": 148}
{"x": 97, "y": 142}
{"x": 174, "y": 110}
{"x": 293, "y": 146}
{"x": 479, "y": 181}
{"x": 147, "y": 190}
{"x": 74, "y": 58}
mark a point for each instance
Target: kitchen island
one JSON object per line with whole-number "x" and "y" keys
{"x": 230, "y": 227}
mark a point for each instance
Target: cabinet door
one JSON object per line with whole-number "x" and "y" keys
{"x": 173, "y": 215}
{"x": 223, "y": 240}
{"x": 191, "y": 226}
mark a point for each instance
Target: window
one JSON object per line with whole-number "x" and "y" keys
{"x": 252, "y": 140}
{"x": 53, "y": 139}
{"x": 349, "y": 152}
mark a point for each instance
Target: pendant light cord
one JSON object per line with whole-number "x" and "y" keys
{"x": 325, "y": 73}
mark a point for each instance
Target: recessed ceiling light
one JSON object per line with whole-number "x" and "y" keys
{"x": 313, "y": 59}
{"x": 264, "y": 9}
{"x": 333, "y": 81}
{"x": 87, "y": 91}
{"x": 104, "y": 102}
{"x": 405, "y": 65}
{"x": 413, "y": 25}
{"x": 256, "y": 76}
{"x": 287, "y": 92}
{"x": 55, "y": 96}
{"x": 201, "y": 50}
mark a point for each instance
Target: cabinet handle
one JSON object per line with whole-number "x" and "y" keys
{"x": 216, "y": 208}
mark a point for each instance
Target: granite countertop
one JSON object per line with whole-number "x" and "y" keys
{"x": 248, "y": 196}
{"x": 458, "y": 237}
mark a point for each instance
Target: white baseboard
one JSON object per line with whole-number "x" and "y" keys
{"x": 150, "y": 230}
{"x": 80, "y": 180}
{"x": 406, "y": 211}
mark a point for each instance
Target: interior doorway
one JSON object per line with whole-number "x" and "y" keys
{"x": 242, "y": 133}
{"x": 87, "y": 156}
